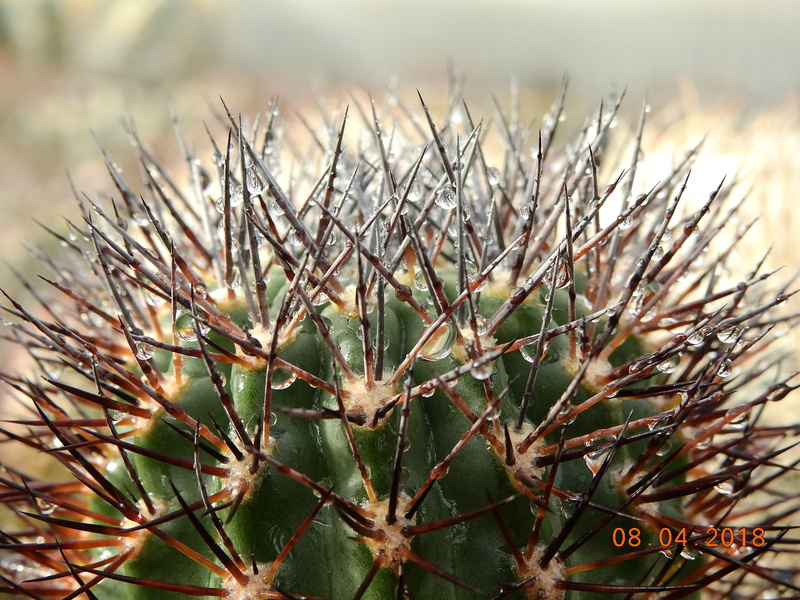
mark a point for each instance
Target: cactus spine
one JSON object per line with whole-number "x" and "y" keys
{"x": 397, "y": 371}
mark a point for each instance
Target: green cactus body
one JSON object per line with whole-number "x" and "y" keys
{"x": 440, "y": 382}
{"x": 275, "y": 505}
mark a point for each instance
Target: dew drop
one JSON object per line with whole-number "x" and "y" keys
{"x": 649, "y": 315}
{"x": 525, "y": 213}
{"x": 696, "y": 338}
{"x": 256, "y": 181}
{"x": 727, "y": 335}
{"x": 144, "y": 351}
{"x": 689, "y": 553}
{"x": 320, "y": 299}
{"x": 140, "y": 219}
{"x": 420, "y": 282}
{"x": 294, "y": 238}
{"x": 562, "y": 277}
{"x": 726, "y": 488}
{"x": 440, "y": 344}
{"x": 184, "y": 327}
{"x": 594, "y": 459}
{"x": 668, "y": 552}
{"x": 705, "y": 443}
{"x": 737, "y": 421}
{"x": 446, "y": 197}
{"x": 282, "y": 379}
{"x": 725, "y": 368}
{"x": 637, "y": 366}
{"x": 482, "y": 372}
{"x": 415, "y": 192}
{"x": 275, "y": 208}
{"x": 45, "y": 508}
{"x": 237, "y": 196}
{"x": 627, "y": 223}
{"x": 666, "y": 366}
{"x": 494, "y": 176}
{"x": 528, "y": 351}
{"x": 481, "y": 324}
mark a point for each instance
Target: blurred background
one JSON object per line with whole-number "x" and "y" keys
{"x": 72, "y": 70}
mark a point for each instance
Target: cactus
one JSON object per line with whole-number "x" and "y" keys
{"x": 383, "y": 368}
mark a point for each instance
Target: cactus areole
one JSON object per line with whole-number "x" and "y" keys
{"x": 393, "y": 366}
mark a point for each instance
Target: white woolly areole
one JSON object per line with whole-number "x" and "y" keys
{"x": 358, "y": 400}
{"x": 597, "y": 373}
{"x": 390, "y": 543}
{"x": 523, "y": 464}
{"x": 258, "y": 586}
{"x": 541, "y": 583}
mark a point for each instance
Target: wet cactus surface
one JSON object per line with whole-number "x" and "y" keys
{"x": 393, "y": 364}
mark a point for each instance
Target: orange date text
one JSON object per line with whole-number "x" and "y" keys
{"x": 707, "y": 536}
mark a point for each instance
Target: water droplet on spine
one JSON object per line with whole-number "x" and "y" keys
{"x": 275, "y": 208}
{"x": 293, "y": 238}
{"x": 282, "y": 379}
{"x": 528, "y": 351}
{"x": 256, "y": 181}
{"x": 420, "y": 282}
{"x": 446, "y": 197}
{"x": 728, "y": 334}
{"x": 440, "y": 344}
{"x": 145, "y": 351}
{"x": 696, "y": 338}
{"x": 666, "y": 366}
{"x": 45, "y": 508}
{"x": 594, "y": 459}
{"x": 237, "y": 196}
{"x": 184, "y": 327}
{"x": 725, "y": 368}
{"x": 737, "y": 419}
{"x": 483, "y": 371}
{"x": 726, "y": 488}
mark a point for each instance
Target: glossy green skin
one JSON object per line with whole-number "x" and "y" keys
{"x": 327, "y": 562}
